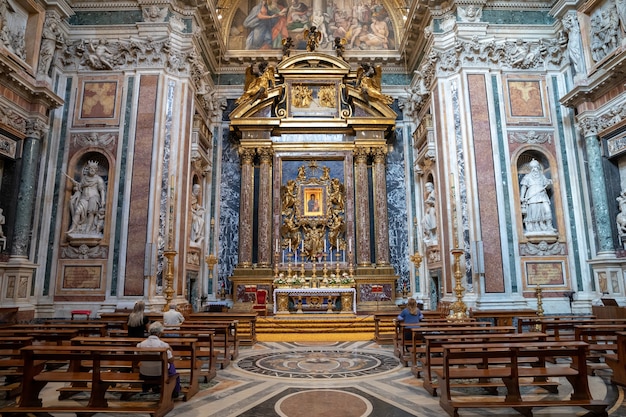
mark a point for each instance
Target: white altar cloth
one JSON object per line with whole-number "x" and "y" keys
{"x": 319, "y": 292}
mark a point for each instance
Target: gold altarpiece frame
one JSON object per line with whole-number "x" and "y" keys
{"x": 334, "y": 119}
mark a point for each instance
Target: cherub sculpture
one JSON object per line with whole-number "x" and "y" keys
{"x": 313, "y": 38}
{"x": 369, "y": 81}
{"x": 256, "y": 87}
{"x": 287, "y": 45}
{"x": 340, "y": 46}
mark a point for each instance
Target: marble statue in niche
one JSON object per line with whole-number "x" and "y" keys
{"x": 621, "y": 216}
{"x": 88, "y": 202}
{"x": 197, "y": 216}
{"x": 429, "y": 222}
{"x": 535, "y": 201}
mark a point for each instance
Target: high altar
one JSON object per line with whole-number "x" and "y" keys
{"x": 313, "y": 137}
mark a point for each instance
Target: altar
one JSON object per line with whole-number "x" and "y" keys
{"x": 314, "y": 300}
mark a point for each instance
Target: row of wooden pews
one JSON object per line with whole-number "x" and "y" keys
{"x": 541, "y": 352}
{"x": 28, "y": 362}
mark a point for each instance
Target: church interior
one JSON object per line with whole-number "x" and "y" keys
{"x": 307, "y": 158}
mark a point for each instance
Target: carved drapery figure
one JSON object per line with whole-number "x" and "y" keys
{"x": 621, "y": 216}
{"x": 429, "y": 222}
{"x": 2, "y": 221}
{"x": 369, "y": 81}
{"x": 51, "y": 40}
{"x": 535, "y": 202}
{"x": 574, "y": 45}
{"x": 87, "y": 204}
{"x": 197, "y": 216}
{"x": 256, "y": 87}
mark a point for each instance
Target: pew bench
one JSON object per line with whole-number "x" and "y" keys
{"x": 246, "y": 323}
{"x": 602, "y": 341}
{"x": 99, "y": 376}
{"x": 617, "y": 361}
{"x": 383, "y": 318}
{"x": 433, "y": 356}
{"x": 186, "y": 352}
{"x": 11, "y": 364}
{"x": 508, "y": 363}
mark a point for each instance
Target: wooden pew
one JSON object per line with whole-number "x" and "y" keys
{"x": 83, "y": 327}
{"x": 602, "y": 341}
{"x": 41, "y": 336}
{"x": 11, "y": 364}
{"x": 404, "y": 348}
{"x": 501, "y": 317}
{"x": 246, "y": 328}
{"x": 533, "y": 323}
{"x": 226, "y": 335}
{"x": 100, "y": 378}
{"x": 433, "y": 359}
{"x": 186, "y": 352}
{"x": 380, "y": 318}
{"x": 515, "y": 356}
{"x": 617, "y": 360}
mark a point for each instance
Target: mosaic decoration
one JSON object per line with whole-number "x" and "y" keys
{"x": 318, "y": 364}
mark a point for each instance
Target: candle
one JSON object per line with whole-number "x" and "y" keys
{"x": 350, "y": 245}
{"x": 289, "y": 245}
{"x": 302, "y": 246}
{"x": 344, "y": 255}
{"x": 324, "y": 245}
{"x": 276, "y": 245}
{"x": 283, "y": 256}
{"x": 296, "y": 258}
{"x": 337, "y": 244}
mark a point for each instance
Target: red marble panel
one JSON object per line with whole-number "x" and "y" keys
{"x": 490, "y": 226}
{"x": 140, "y": 188}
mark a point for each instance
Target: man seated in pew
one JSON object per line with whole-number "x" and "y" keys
{"x": 138, "y": 321}
{"x": 152, "y": 370}
{"x": 172, "y": 319}
{"x": 410, "y": 317}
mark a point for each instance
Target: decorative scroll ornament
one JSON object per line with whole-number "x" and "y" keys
{"x": 542, "y": 248}
{"x": 94, "y": 139}
{"x": 531, "y": 137}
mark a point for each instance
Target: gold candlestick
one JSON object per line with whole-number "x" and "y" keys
{"x": 169, "y": 277}
{"x": 458, "y": 308}
{"x": 325, "y": 270}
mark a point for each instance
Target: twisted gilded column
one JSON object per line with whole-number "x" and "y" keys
{"x": 361, "y": 197}
{"x": 264, "y": 243}
{"x": 35, "y": 130}
{"x": 246, "y": 206}
{"x": 381, "y": 220}
{"x": 589, "y": 127}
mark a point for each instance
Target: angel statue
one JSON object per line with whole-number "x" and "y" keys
{"x": 256, "y": 86}
{"x": 313, "y": 38}
{"x": 368, "y": 79}
{"x": 287, "y": 45}
{"x": 340, "y": 46}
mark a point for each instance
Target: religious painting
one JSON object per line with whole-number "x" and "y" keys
{"x": 313, "y": 201}
{"x": 525, "y": 100}
{"x": 265, "y": 24}
{"x": 98, "y": 102}
{"x": 313, "y": 99}
{"x": 549, "y": 273}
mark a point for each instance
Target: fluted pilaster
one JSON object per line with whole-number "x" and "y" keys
{"x": 264, "y": 243}
{"x": 361, "y": 196}
{"x": 381, "y": 222}
{"x": 246, "y": 206}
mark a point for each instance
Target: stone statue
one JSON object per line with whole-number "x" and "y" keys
{"x": 87, "y": 201}
{"x": 51, "y": 40}
{"x": 256, "y": 87}
{"x": 197, "y": 216}
{"x": 2, "y": 221}
{"x": 429, "y": 222}
{"x": 369, "y": 81}
{"x": 621, "y": 216}
{"x": 574, "y": 45}
{"x": 535, "y": 202}
{"x": 100, "y": 56}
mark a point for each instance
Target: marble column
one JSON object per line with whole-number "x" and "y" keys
{"x": 264, "y": 243}
{"x": 361, "y": 196}
{"x": 589, "y": 128}
{"x": 35, "y": 130}
{"x": 381, "y": 220}
{"x": 246, "y": 206}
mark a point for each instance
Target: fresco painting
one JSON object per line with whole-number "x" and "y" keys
{"x": 264, "y": 24}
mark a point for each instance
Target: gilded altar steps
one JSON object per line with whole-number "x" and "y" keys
{"x": 318, "y": 323}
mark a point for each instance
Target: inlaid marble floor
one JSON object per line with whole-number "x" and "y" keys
{"x": 351, "y": 379}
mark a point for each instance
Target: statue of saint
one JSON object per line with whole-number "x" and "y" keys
{"x": 429, "y": 222}
{"x": 2, "y": 221}
{"x": 536, "y": 208}
{"x": 87, "y": 201}
{"x": 197, "y": 216}
{"x": 621, "y": 216}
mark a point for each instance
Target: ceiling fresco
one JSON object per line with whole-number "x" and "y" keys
{"x": 264, "y": 24}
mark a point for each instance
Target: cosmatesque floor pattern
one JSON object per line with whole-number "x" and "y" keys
{"x": 350, "y": 379}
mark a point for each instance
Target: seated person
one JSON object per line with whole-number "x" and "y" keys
{"x": 410, "y": 316}
{"x": 152, "y": 369}
{"x": 172, "y": 319}
{"x": 137, "y": 321}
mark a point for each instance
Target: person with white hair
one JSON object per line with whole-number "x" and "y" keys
{"x": 172, "y": 319}
{"x": 152, "y": 369}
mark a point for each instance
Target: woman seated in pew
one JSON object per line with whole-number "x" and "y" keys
{"x": 151, "y": 369}
{"x": 410, "y": 317}
{"x": 137, "y": 320}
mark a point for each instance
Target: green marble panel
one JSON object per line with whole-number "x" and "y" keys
{"x": 99, "y": 18}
